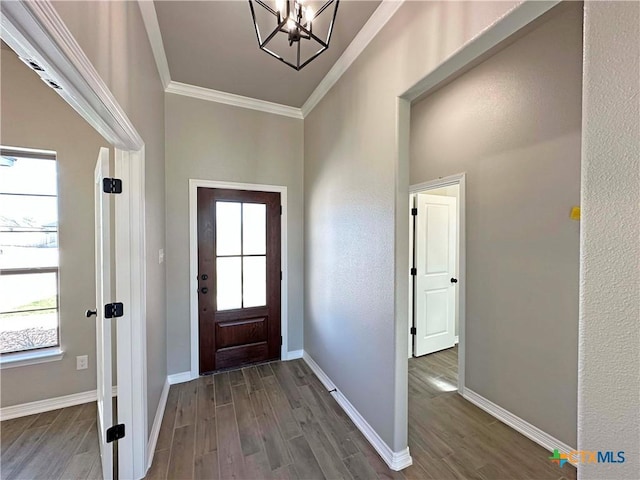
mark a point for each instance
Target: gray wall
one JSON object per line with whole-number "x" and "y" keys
{"x": 513, "y": 124}
{"x": 352, "y": 177}
{"x": 609, "y": 386}
{"x": 34, "y": 116}
{"x": 211, "y": 141}
{"x": 114, "y": 38}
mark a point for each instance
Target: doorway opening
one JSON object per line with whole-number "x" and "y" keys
{"x": 436, "y": 293}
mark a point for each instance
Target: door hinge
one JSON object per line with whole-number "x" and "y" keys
{"x": 414, "y": 211}
{"x": 413, "y": 330}
{"x": 280, "y": 340}
{"x": 111, "y": 185}
{"x": 414, "y": 271}
{"x": 280, "y": 274}
{"x": 115, "y": 433}
{"x": 113, "y": 310}
{"x": 280, "y": 209}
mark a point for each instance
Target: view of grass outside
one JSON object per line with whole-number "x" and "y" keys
{"x": 28, "y": 254}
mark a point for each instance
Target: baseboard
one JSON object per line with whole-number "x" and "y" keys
{"x": 41, "y": 406}
{"x": 525, "y": 428}
{"x": 293, "y": 355}
{"x": 395, "y": 460}
{"x": 157, "y": 423}
{"x": 179, "y": 378}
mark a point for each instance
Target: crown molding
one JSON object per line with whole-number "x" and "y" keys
{"x": 150, "y": 20}
{"x": 378, "y": 19}
{"x": 232, "y": 99}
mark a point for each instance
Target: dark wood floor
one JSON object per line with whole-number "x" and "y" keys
{"x": 277, "y": 421}
{"x": 450, "y": 438}
{"x": 61, "y": 444}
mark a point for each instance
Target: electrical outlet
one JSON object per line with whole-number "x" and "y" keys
{"x": 161, "y": 256}
{"x": 82, "y": 362}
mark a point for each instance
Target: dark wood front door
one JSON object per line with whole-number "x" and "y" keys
{"x": 238, "y": 277}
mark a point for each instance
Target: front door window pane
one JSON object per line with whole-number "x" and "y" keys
{"x": 254, "y": 229}
{"x": 255, "y": 281}
{"x": 228, "y": 228}
{"x": 229, "y": 283}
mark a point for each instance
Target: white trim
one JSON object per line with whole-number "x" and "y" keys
{"x": 157, "y": 423}
{"x": 21, "y": 359}
{"x": 181, "y": 377}
{"x": 35, "y": 31}
{"x": 48, "y": 404}
{"x": 295, "y": 354}
{"x": 233, "y": 99}
{"x": 193, "y": 261}
{"x": 131, "y": 290}
{"x": 525, "y": 428}
{"x": 378, "y": 19}
{"x": 150, "y": 20}
{"x": 395, "y": 460}
{"x": 481, "y": 46}
{"x": 437, "y": 183}
{"x": 458, "y": 179}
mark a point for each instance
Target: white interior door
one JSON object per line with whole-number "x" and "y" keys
{"x": 103, "y": 325}
{"x": 435, "y": 296}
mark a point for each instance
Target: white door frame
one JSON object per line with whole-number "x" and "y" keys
{"x": 131, "y": 336}
{"x": 193, "y": 262}
{"x": 35, "y": 31}
{"x": 459, "y": 179}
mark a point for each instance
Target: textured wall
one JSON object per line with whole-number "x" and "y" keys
{"x": 351, "y": 178}
{"x": 519, "y": 113}
{"x": 34, "y": 116}
{"x": 211, "y": 141}
{"x": 114, "y": 38}
{"x": 609, "y": 366}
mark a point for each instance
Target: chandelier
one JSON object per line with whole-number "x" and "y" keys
{"x": 297, "y": 32}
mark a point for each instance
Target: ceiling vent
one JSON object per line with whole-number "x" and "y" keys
{"x": 52, "y": 84}
{"x": 32, "y": 65}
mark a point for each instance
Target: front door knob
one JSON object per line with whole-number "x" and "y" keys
{"x": 454, "y": 280}
{"x": 90, "y": 313}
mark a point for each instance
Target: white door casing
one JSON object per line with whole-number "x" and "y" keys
{"x": 435, "y": 295}
{"x": 103, "y": 325}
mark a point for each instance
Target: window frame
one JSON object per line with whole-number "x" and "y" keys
{"x": 54, "y": 349}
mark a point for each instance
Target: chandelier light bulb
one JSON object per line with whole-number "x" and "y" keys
{"x": 291, "y": 24}
{"x": 308, "y": 14}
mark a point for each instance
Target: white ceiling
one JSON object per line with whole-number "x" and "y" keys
{"x": 212, "y": 44}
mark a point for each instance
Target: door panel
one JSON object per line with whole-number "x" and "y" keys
{"x": 103, "y": 325}
{"x": 436, "y": 249}
{"x": 238, "y": 277}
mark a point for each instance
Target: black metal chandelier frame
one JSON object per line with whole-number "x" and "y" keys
{"x": 300, "y": 30}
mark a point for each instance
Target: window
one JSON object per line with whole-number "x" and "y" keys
{"x": 28, "y": 250}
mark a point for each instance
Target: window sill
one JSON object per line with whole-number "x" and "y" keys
{"x": 21, "y": 359}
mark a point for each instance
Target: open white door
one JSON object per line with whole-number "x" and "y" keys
{"x": 103, "y": 325}
{"x": 435, "y": 296}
